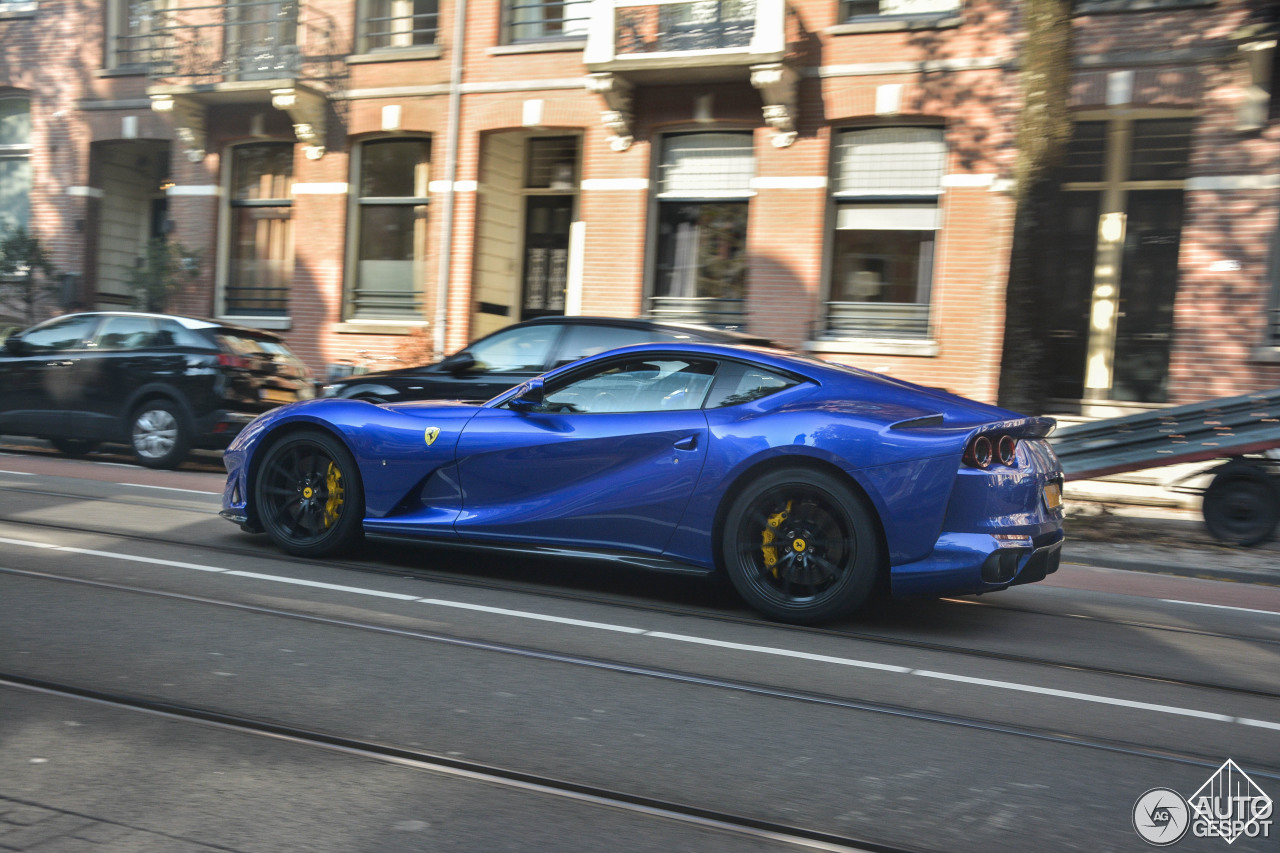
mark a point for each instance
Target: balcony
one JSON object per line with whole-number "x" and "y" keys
{"x": 248, "y": 52}
{"x": 658, "y": 42}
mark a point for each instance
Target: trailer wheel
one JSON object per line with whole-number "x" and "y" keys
{"x": 1242, "y": 504}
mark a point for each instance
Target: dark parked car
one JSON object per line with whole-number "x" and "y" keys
{"x": 159, "y": 383}
{"x": 509, "y": 356}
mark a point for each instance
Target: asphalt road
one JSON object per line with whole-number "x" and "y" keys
{"x": 168, "y": 683}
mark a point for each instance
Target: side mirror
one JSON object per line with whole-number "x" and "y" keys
{"x": 530, "y": 396}
{"x": 459, "y": 362}
{"x": 14, "y": 346}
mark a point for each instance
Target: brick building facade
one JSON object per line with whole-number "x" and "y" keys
{"x": 834, "y": 175}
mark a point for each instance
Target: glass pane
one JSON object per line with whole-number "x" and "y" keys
{"x": 521, "y": 349}
{"x": 534, "y": 20}
{"x": 392, "y": 249}
{"x": 1069, "y": 272}
{"x": 650, "y": 385}
{"x": 125, "y": 333}
{"x": 883, "y": 266}
{"x": 60, "y": 334}
{"x": 581, "y": 341}
{"x": 15, "y": 194}
{"x": 1161, "y": 148}
{"x": 702, "y": 250}
{"x": 395, "y": 168}
{"x": 261, "y": 261}
{"x": 553, "y": 163}
{"x": 891, "y": 161}
{"x": 1086, "y": 157}
{"x": 707, "y": 165}
{"x": 857, "y": 8}
{"x": 261, "y": 172}
{"x": 751, "y": 384}
{"x": 15, "y": 121}
{"x": 400, "y": 23}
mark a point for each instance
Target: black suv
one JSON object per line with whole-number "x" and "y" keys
{"x": 509, "y": 356}
{"x": 159, "y": 383}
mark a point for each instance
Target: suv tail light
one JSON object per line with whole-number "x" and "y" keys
{"x": 238, "y": 362}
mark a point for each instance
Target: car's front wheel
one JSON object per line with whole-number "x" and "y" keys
{"x": 159, "y": 434}
{"x": 308, "y": 495}
{"x": 800, "y": 546}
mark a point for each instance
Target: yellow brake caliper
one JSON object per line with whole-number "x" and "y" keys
{"x": 769, "y": 549}
{"x": 333, "y": 484}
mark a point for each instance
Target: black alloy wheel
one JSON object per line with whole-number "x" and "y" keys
{"x": 73, "y": 446}
{"x": 800, "y": 546}
{"x": 308, "y": 495}
{"x": 1242, "y": 504}
{"x": 159, "y": 434}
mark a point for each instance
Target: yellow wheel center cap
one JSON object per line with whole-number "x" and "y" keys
{"x": 799, "y": 545}
{"x": 307, "y": 493}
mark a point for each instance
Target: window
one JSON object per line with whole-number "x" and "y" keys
{"x": 887, "y": 186}
{"x": 134, "y": 31}
{"x": 261, "y": 255}
{"x": 61, "y": 334}
{"x": 515, "y": 350}
{"x": 854, "y": 9}
{"x": 15, "y": 164}
{"x": 396, "y": 24}
{"x": 639, "y": 385}
{"x": 391, "y": 228}
{"x": 583, "y": 340}
{"x": 125, "y": 333}
{"x": 701, "y": 271}
{"x": 544, "y": 20}
{"x": 742, "y": 383}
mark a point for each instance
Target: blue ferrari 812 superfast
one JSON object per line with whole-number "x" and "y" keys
{"x": 808, "y": 484}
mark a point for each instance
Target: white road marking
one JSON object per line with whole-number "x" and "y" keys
{"x": 1221, "y": 606}
{"x": 168, "y": 489}
{"x": 19, "y": 473}
{"x": 680, "y": 638}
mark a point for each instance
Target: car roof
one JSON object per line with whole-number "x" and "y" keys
{"x": 193, "y": 323}
{"x": 710, "y": 333}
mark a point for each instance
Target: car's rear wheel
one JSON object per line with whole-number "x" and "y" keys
{"x": 800, "y": 546}
{"x": 73, "y": 446}
{"x": 159, "y": 434}
{"x": 1242, "y": 504}
{"x": 308, "y": 495}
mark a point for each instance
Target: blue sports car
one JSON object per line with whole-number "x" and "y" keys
{"x": 809, "y": 484}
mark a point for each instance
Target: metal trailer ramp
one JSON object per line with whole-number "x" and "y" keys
{"x": 1242, "y": 503}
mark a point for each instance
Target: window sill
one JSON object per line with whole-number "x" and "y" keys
{"x": 1265, "y": 355}
{"x": 274, "y": 324}
{"x": 122, "y": 71}
{"x": 1094, "y": 7}
{"x": 379, "y": 327}
{"x": 896, "y": 24}
{"x": 913, "y": 347}
{"x": 538, "y": 47}
{"x": 397, "y": 54}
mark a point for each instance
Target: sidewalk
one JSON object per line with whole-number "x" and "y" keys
{"x": 1166, "y": 540}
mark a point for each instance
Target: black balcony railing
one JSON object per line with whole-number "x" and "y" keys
{"x": 392, "y": 31}
{"x": 876, "y": 320}
{"x": 227, "y": 42}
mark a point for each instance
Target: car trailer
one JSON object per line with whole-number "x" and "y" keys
{"x": 1242, "y": 502}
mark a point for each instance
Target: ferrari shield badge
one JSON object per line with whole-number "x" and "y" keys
{"x": 432, "y": 434}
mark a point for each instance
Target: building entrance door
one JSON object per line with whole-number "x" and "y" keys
{"x": 546, "y": 254}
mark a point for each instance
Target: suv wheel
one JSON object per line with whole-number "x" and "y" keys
{"x": 159, "y": 434}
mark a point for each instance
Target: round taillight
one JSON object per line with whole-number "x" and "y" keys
{"x": 980, "y": 452}
{"x": 1007, "y": 450}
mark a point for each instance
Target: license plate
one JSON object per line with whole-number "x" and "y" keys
{"x": 1052, "y": 495}
{"x": 277, "y": 395}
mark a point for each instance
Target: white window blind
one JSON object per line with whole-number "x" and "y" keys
{"x": 891, "y": 161}
{"x": 706, "y": 165}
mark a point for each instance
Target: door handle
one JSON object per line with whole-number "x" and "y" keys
{"x": 687, "y": 443}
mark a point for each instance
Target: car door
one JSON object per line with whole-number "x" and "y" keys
{"x": 607, "y": 460}
{"x": 36, "y": 389}
{"x": 125, "y": 359}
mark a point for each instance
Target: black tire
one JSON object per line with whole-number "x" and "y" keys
{"x": 801, "y": 546}
{"x": 73, "y": 446}
{"x": 159, "y": 434}
{"x": 1242, "y": 504}
{"x": 308, "y": 496}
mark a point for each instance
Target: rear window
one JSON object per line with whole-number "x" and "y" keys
{"x": 581, "y": 341}
{"x": 247, "y": 345}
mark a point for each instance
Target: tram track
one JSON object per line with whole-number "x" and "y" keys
{"x": 754, "y": 688}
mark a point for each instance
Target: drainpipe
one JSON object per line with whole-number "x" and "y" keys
{"x": 451, "y": 176}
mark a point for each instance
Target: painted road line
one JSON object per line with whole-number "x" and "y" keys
{"x": 680, "y": 638}
{"x": 19, "y": 473}
{"x": 168, "y": 489}
{"x": 1221, "y": 606}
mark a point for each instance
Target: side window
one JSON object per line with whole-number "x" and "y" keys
{"x": 638, "y": 385}
{"x": 744, "y": 384}
{"x": 173, "y": 334}
{"x": 60, "y": 334}
{"x": 581, "y": 341}
{"x": 125, "y": 333}
{"x": 523, "y": 349}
